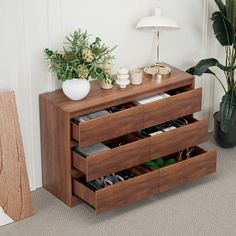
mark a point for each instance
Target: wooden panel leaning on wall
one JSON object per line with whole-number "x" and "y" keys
{"x": 15, "y": 197}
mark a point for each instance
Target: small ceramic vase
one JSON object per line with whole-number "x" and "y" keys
{"x": 76, "y": 89}
{"x": 123, "y": 77}
{"x": 136, "y": 76}
{"x": 106, "y": 84}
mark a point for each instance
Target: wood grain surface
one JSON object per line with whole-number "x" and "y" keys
{"x": 119, "y": 194}
{"x": 179, "y": 139}
{"x": 126, "y": 192}
{"x": 113, "y": 160}
{"x": 173, "y": 107}
{"x": 84, "y": 193}
{"x": 110, "y": 126}
{"x": 15, "y": 196}
{"x": 106, "y": 199}
{"x": 56, "y": 151}
{"x": 188, "y": 170}
{"x": 58, "y": 136}
{"x": 98, "y": 98}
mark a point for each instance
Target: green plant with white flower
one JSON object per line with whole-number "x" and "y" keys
{"x": 80, "y": 58}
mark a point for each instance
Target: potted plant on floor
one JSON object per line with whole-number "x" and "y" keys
{"x": 79, "y": 62}
{"x": 224, "y": 26}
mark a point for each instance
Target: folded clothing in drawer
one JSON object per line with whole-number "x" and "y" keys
{"x": 152, "y": 98}
{"x": 90, "y": 116}
{"x": 91, "y": 150}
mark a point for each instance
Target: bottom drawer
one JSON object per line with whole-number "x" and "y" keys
{"x": 118, "y": 194}
{"x": 204, "y": 163}
{"x": 201, "y": 163}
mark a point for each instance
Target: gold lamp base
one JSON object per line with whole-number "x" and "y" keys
{"x": 158, "y": 71}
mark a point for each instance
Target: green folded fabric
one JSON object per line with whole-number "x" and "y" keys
{"x": 170, "y": 161}
{"x": 159, "y": 163}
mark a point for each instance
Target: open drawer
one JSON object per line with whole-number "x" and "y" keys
{"x": 204, "y": 163}
{"x": 201, "y": 163}
{"x": 182, "y": 102}
{"x": 196, "y": 132}
{"x": 109, "y": 126}
{"x": 137, "y": 150}
{"x": 120, "y": 193}
{"x": 132, "y": 152}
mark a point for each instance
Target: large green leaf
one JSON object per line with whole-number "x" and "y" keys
{"x": 223, "y": 29}
{"x": 231, "y": 11}
{"x": 203, "y": 67}
{"x": 221, "y": 6}
{"x": 191, "y": 71}
{"x": 228, "y": 110}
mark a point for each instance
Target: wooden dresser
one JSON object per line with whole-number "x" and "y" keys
{"x": 63, "y": 168}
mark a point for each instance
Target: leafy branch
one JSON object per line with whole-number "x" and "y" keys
{"x": 80, "y": 58}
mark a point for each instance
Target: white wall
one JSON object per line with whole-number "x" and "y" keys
{"x": 29, "y": 26}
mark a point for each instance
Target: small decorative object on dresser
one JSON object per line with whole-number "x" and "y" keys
{"x": 106, "y": 84}
{"x": 123, "y": 77}
{"x": 79, "y": 62}
{"x": 136, "y": 77}
{"x": 224, "y": 26}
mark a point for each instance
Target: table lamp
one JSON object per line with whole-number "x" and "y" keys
{"x": 157, "y": 23}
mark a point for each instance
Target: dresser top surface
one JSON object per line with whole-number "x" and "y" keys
{"x": 98, "y": 97}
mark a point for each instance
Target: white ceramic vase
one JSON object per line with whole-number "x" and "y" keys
{"x": 76, "y": 89}
{"x": 123, "y": 77}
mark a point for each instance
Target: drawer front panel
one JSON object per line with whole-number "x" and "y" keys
{"x": 108, "y": 127}
{"x": 173, "y": 107}
{"x": 84, "y": 193}
{"x": 187, "y": 171}
{"x": 119, "y": 194}
{"x": 179, "y": 139}
{"x": 127, "y": 192}
{"x": 116, "y": 159}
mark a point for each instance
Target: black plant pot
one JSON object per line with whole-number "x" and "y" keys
{"x": 225, "y": 140}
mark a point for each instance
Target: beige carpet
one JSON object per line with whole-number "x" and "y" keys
{"x": 206, "y": 207}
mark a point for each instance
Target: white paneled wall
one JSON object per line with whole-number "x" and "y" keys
{"x": 29, "y": 26}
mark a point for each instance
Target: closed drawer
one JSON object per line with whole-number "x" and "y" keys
{"x": 179, "y": 105}
{"x": 119, "y": 194}
{"x": 134, "y": 152}
{"x": 204, "y": 163}
{"x": 196, "y": 132}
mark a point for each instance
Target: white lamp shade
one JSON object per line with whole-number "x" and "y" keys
{"x": 157, "y": 22}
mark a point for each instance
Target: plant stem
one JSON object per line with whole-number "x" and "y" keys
{"x": 221, "y": 83}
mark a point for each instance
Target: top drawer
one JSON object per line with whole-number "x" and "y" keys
{"x": 108, "y": 126}
{"x": 182, "y": 102}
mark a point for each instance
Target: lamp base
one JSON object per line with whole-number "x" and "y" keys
{"x": 158, "y": 71}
